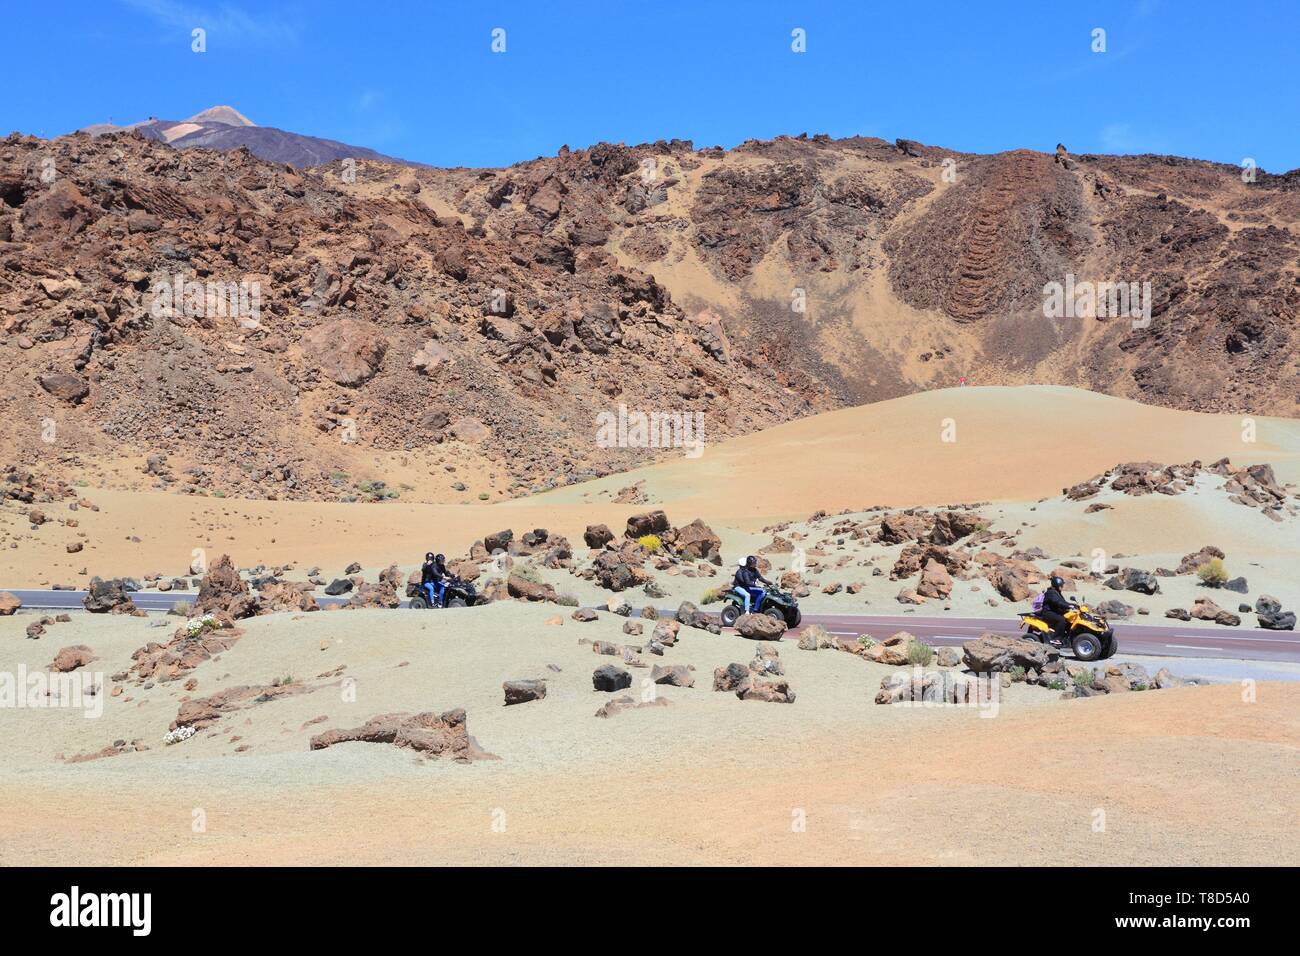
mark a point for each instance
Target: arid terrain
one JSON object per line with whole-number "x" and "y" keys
{"x": 858, "y": 505}
{"x": 470, "y": 325}
{"x": 253, "y": 377}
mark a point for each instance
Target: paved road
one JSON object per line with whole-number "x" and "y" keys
{"x": 1153, "y": 640}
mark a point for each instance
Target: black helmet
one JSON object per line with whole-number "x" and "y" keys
{"x": 429, "y": 556}
{"x": 439, "y": 559}
{"x": 751, "y": 562}
{"x": 1058, "y": 583}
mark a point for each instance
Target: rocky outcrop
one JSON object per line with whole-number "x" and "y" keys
{"x": 429, "y": 734}
{"x": 108, "y": 597}
{"x": 1000, "y": 652}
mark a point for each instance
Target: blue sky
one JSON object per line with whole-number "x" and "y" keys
{"x": 1205, "y": 78}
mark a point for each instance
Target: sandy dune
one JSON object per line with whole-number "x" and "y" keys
{"x": 1012, "y": 445}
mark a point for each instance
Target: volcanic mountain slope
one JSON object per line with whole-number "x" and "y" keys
{"x": 496, "y": 311}
{"x": 225, "y": 128}
{"x": 381, "y": 326}
{"x": 883, "y": 268}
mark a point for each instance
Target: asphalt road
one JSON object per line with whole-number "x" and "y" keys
{"x": 1152, "y": 640}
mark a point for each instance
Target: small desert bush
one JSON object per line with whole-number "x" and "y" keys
{"x": 1213, "y": 574}
{"x": 568, "y": 600}
{"x": 919, "y": 653}
{"x": 1084, "y": 678}
{"x": 1017, "y": 674}
{"x": 651, "y": 542}
{"x": 483, "y": 496}
{"x": 712, "y": 596}
{"x": 1056, "y": 684}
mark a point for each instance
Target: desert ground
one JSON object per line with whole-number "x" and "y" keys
{"x": 1179, "y": 775}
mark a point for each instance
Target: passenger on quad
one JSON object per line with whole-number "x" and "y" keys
{"x": 434, "y": 572}
{"x": 746, "y": 583}
{"x": 1054, "y": 607}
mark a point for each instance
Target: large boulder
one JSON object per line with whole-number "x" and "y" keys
{"x": 434, "y": 735}
{"x": 676, "y": 675}
{"x": 1268, "y": 611}
{"x": 347, "y": 351}
{"x": 597, "y": 535}
{"x": 951, "y": 526}
{"x": 9, "y": 603}
{"x": 900, "y": 527}
{"x": 618, "y": 571}
{"x": 892, "y": 650}
{"x": 760, "y": 627}
{"x": 651, "y": 522}
{"x": 108, "y": 597}
{"x": 522, "y": 691}
{"x": 1135, "y": 579}
{"x": 66, "y": 387}
{"x": 498, "y": 541}
{"x": 224, "y": 591}
{"x": 773, "y": 691}
{"x": 70, "y": 658}
{"x": 610, "y": 678}
{"x": 1001, "y": 652}
{"x": 697, "y": 542}
{"x": 936, "y": 582}
{"x": 521, "y": 588}
{"x": 1191, "y": 562}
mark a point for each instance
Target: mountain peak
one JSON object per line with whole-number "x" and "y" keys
{"x": 227, "y": 115}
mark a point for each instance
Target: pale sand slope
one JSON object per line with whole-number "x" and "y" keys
{"x": 1013, "y": 445}
{"x": 707, "y": 779}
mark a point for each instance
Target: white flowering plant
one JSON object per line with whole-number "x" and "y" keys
{"x": 199, "y": 625}
{"x": 179, "y": 734}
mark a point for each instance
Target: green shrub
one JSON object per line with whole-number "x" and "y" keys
{"x": 483, "y": 496}
{"x": 712, "y": 596}
{"x": 919, "y": 653}
{"x": 1213, "y": 574}
{"x": 1056, "y": 684}
{"x": 568, "y": 600}
{"x": 1085, "y": 678}
{"x": 1017, "y": 674}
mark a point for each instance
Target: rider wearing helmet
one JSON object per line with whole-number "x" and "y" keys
{"x": 746, "y": 582}
{"x": 434, "y": 572}
{"x": 1054, "y": 607}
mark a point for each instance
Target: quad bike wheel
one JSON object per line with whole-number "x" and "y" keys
{"x": 457, "y": 602}
{"x": 1087, "y": 647}
{"x": 730, "y": 613}
{"x": 795, "y": 617}
{"x": 419, "y": 603}
{"x": 776, "y": 614}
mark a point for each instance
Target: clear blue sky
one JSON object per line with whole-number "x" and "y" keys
{"x": 1213, "y": 79}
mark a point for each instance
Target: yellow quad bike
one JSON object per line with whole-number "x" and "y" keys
{"x": 1090, "y": 637}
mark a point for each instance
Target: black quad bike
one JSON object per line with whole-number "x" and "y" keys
{"x": 459, "y": 593}
{"x": 778, "y": 604}
{"x": 1090, "y": 637}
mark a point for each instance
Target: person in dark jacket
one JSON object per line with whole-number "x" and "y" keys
{"x": 1054, "y": 607}
{"x": 746, "y": 583}
{"x": 434, "y": 571}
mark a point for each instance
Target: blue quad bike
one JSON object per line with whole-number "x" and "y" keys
{"x": 458, "y": 593}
